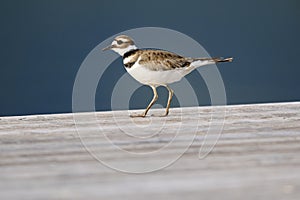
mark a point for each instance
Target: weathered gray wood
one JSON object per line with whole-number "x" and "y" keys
{"x": 257, "y": 157}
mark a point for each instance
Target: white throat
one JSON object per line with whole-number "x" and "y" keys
{"x": 123, "y": 51}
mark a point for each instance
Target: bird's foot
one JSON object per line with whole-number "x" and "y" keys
{"x": 164, "y": 115}
{"x": 138, "y": 115}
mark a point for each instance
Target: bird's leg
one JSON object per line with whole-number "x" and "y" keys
{"x": 154, "y": 99}
{"x": 169, "y": 102}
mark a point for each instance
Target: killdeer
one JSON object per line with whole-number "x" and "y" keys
{"x": 154, "y": 67}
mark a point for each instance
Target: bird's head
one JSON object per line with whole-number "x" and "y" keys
{"x": 121, "y": 44}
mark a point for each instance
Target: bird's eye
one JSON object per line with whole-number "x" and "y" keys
{"x": 119, "y": 42}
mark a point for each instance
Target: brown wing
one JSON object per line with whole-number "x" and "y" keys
{"x": 157, "y": 60}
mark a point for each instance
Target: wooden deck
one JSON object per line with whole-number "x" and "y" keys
{"x": 256, "y": 157}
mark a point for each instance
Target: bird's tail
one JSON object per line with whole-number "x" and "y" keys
{"x": 198, "y": 62}
{"x": 216, "y": 60}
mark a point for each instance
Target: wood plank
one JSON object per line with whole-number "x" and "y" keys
{"x": 256, "y": 157}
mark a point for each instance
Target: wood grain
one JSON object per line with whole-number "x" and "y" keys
{"x": 256, "y": 157}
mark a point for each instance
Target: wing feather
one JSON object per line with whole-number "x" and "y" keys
{"x": 160, "y": 60}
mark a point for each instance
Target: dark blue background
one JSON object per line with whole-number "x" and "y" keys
{"x": 44, "y": 42}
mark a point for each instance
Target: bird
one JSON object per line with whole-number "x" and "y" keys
{"x": 156, "y": 67}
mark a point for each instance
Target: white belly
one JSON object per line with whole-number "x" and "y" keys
{"x": 149, "y": 77}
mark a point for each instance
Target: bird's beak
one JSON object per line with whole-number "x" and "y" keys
{"x": 108, "y": 47}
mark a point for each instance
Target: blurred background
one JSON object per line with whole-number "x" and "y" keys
{"x": 43, "y": 44}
